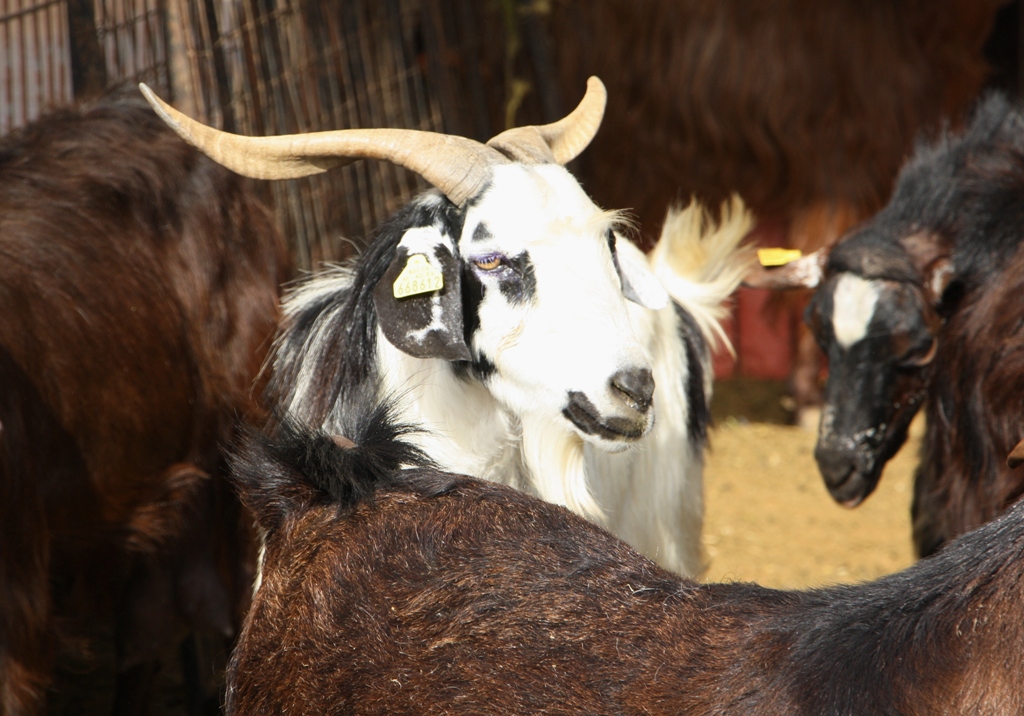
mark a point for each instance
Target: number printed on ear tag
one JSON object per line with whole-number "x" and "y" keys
{"x": 418, "y": 277}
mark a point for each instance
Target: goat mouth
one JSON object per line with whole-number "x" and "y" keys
{"x": 582, "y": 413}
{"x": 853, "y": 489}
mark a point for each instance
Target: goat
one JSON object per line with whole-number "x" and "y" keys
{"x": 922, "y": 305}
{"x": 389, "y": 590}
{"x": 139, "y": 284}
{"x": 544, "y": 342}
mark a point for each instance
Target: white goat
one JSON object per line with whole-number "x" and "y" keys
{"x": 533, "y": 328}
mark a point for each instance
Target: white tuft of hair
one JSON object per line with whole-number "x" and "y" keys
{"x": 701, "y": 263}
{"x": 554, "y": 456}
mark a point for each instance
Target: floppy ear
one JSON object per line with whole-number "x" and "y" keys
{"x": 419, "y": 299}
{"x": 639, "y": 284}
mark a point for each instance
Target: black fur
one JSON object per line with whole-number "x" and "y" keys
{"x": 699, "y": 414}
{"x": 521, "y": 286}
{"x": 348, "y": 318}
{"x": 481, "y": 232}
{"x": 473, "y": 292}
{"x": 299, "y": 466}
{"x": 965, "y": 185}
{"x": 954, "y": 226}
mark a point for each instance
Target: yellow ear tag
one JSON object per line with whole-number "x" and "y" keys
{"x": 777, "y": 257}
{"x": 418, "y": 277}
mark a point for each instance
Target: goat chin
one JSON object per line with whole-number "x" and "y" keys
{"x": 553, "y": 454}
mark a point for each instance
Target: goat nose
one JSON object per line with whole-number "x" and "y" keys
{"x": 636, "y": 385}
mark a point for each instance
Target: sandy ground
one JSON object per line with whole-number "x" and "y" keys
{"x": 769, "y": 518}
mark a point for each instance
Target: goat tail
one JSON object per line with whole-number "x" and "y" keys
{"x": 701, "y": 263}
{"x": 298, "y": 465}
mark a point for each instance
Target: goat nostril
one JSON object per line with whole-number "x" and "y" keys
{"x": 637, "y": 385}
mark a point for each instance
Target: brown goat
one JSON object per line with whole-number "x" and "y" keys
{"x": 793, "y": 104}
{"x": 414, "y": 591}
{"x": 139, "y": 286}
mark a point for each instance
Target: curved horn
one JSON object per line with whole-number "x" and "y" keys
{"x": 560, "y": 141}
{"x": 458, "y": 166}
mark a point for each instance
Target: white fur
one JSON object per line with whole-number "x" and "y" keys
{"x": 853, "y": 305}
{"x": 574, "y": 336}
{"x": 654, "y": 493}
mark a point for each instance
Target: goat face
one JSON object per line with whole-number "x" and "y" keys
{"x": 880, "y": 337}
{"x": 543, "y": 319}
{"x": 541, "y": 316}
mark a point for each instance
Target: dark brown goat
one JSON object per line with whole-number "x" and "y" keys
{"x": 391, "y": 591}
{"x": 793, "y": 104}
{"x": 923, "y": 305}
{"x": 138, "y": 286}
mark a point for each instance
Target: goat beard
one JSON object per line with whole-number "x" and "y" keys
{"x": 553, "y": 456}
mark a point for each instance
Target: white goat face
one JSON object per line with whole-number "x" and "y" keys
{"x": 544, "y": 306}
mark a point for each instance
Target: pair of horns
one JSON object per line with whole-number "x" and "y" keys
{"x": 457, "y": 166}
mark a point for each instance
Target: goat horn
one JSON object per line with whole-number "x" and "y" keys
{"x": 458, "y": 166}
{"x": 560, "y": 141}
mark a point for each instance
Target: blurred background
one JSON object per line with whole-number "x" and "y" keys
{"x": 806, "y": 109}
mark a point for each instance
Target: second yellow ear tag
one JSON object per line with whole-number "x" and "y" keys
{"x": 418, "y": 277}
{"x": 777, "y": 257}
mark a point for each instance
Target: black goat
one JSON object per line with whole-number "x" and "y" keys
{"x": 416, "y": 591}
{"x": 924, "y": 305}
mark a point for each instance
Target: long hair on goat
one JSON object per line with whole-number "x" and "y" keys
{"x": 297, "y": 466}
{"x": 309, "y": 375}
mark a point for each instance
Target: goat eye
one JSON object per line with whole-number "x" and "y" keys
{"x": 488, "y": 264}
{"x": 921, "y": 354}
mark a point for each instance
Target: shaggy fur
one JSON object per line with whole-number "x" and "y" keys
{"x": 423, "y": 592}
{"x": 139, "y": 289}
{"x": 804, "y": 108}
{"x": 945, "y": 259}
{"x": 331, "y": 359}
{"x": 794, "y": 104}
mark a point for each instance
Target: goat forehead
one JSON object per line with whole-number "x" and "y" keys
{"x": 854, "y": 301}
{"x": 525, "y": 205}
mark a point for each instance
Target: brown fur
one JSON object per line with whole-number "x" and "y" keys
{"x": 441, "y": 594}
{"x": 963, "y": 480}
{"x": 791, "y": 104}
{"x": 138, "y": 282}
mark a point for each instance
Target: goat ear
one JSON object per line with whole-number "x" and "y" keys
{"x": 937, "y": 277}
{"x": 930, "y": 254}
{"x": 805, "y": 272}
{"x": 419, "y": 299}
{"x": 639, "y": 284}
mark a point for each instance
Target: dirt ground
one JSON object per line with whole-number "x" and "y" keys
{"x": 769, "y": 518}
